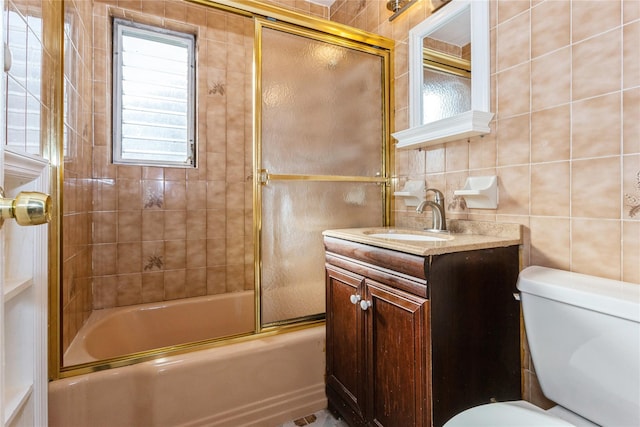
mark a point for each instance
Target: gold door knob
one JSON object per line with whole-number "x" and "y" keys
{"x": 28, "y": 208}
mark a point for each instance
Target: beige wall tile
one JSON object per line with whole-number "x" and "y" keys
{"x": 129, "y": 226}
{"x": 152, "y": 224}
{"x": 507, "y": 9}
{"x": 175, "y": 284}
{"x": 550, "y": 134}
{"x": 152, "y": 287}
{"x": 175, "y": 225}
{"x": 513, "y": 41}
{"x": 550, "y": 189}
{"x": 513, "y": 91}
{"x": 435, "y": 159}
{"x": 129, "y": 289}
{"x": 175, "y": 195}
{"x": 630, "y": 122}
{"x": 514, "y": 190}
{"x": 631, "y": 251}
{"x": 630, "y": 10}
{"x": 175, "y": 254}
{"x": 630, "y": 58}
{"x": 216, "y": 280}
{"x": 551, "y": 79}
{"x": 551, "y": 242}
{"x": 513, "y": 140}
{"x": 105, "y": 291}
{"x": 550, "y": 27}
{"x": 596, "y": 65}
{"x": 104, "y": 259}
{"x": 595, "y": 188}
{"x": 596, "y": 247}
{"x": 197, "y": 254}
{"x": 457, "y": 156}
{"x": 595, "y": 127}
{"x": 196, "y": 282}
{"x": 129, "y": 257}
{"x": 483, "y": 151}
{"x": 631, "y": 186}
{"x": 592, "y": 17}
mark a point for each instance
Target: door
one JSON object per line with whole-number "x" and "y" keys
{"x": 345, "y": 340}
{"x": 23, "y": 250}
{"x": 397, "y": 363}
{"x": 321, "y": 158}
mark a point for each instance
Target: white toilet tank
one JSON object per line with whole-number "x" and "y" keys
{"x": 584, "y": 337}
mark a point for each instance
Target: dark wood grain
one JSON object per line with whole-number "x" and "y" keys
{"x": 412, "y": 361}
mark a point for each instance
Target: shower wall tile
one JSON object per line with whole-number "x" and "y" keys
{"x": 196, "y": 282}
{"x": 79, "y": 188}
{"x": 152, "y": 287}
{"x": 175, "y": 284}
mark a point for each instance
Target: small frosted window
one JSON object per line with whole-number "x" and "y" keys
{"x": 153, "y": 96}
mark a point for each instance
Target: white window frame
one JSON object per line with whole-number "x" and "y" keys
{"x": 169, "y": 37}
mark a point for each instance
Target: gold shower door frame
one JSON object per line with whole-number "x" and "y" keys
{"x": 266, "y": 15}
{"x": 262, "y": 177}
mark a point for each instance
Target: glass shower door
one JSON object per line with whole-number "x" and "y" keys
{"x": 321, "y": 157}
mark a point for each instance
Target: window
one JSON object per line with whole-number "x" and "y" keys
{"x": 153, "y": 96}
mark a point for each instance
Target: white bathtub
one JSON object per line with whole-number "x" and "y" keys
{"x": 261, "y": 382}
{"x": 118, "y": 331}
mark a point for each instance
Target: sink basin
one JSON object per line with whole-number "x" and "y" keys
{"x": 409, "y": 237}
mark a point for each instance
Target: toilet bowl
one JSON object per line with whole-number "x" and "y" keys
{"x": 584, "y": 337}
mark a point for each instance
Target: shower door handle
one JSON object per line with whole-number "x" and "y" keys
{"x": 28, "y": 208}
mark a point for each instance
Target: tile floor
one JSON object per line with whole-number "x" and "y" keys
{"x": 322, "y": 418}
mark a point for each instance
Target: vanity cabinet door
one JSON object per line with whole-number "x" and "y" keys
{"x": 345, "y": 344}
{"x": 397, "y": 339}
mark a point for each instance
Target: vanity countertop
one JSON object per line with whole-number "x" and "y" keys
{"x": 462, "y": 235}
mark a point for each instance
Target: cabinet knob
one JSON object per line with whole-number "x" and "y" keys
{"x": 355, "y": 298}
{"x": 28, "y": 208}
{"x": 364, "y": 305}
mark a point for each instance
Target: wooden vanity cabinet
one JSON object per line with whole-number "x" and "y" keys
{"x": 413, "y": 340}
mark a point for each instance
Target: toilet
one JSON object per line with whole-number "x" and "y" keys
{"x": 584, "y": 337}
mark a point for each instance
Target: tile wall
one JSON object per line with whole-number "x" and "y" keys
{"x": 565, "y": 145}
{"x": 154, "y": 234}
{"x": 77, "y": 188}
{"x": 565, "y": 141}
{"x": 167, "y": 233}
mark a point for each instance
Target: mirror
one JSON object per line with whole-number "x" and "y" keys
{"x": 449, "y": 88}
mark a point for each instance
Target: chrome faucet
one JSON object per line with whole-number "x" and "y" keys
{"x": 437, "y": 209}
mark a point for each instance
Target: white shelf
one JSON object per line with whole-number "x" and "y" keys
{"x": 14, "y": 287}
{"x": 15, "y": 399}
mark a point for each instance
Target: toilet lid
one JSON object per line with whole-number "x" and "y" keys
{"x": 506, "y": 414}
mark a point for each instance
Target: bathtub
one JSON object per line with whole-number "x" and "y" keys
{"x": 259, "y": 382}
{"x": 114, "y": 332}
